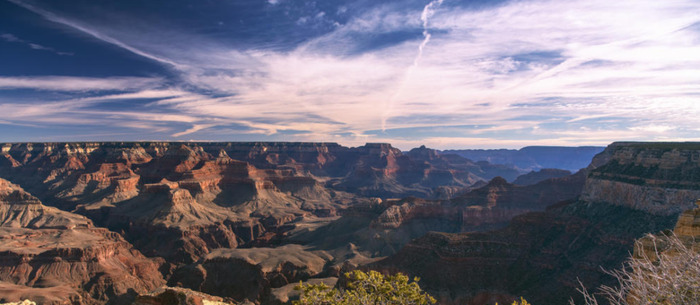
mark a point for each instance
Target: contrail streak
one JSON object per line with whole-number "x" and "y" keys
{"x": 428, "y": 11}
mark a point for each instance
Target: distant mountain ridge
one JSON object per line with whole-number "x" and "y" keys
{"x": 531, "y": 158}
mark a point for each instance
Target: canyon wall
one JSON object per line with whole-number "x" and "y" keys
{"x": 659, "y": 178}
{"x": 55, "y": 257}
{"x": 631, "y": 189}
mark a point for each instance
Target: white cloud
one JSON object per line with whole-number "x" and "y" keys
{"x": 12, "y": 38}
{"x": 572, "y": 62}
{"x": 68, "y": 83}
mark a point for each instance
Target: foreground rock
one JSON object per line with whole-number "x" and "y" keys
{"x": 55, "y": 257}
{"x": 687, "y": 230}
{"x": 178, "y": 296}
{"x": 25, "y": 302}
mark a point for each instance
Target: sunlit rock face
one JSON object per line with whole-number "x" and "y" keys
{"x": 659, "y": 178}
{"x": 321, "y": 208}
{"x": 56, "y": 257}
{"x": 178, "y": 296}
{"x": 182, "y": 200}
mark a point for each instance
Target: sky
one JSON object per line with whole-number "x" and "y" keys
{"x": 447, "y": 74}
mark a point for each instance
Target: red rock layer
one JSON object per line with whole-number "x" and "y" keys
{"x": 46, "y": 254}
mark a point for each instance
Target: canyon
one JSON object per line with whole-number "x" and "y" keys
{"x": 245, "y": 222}
{"x": 631, "y": 189}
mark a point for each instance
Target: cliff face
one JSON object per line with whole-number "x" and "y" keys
{"x": 379, "y": 170}
{"x": 659, "y": 178}
{"x": 632, "y": 189}
{"x": 178, "y": 200}
{"x": 105, "y": 173}
{"x": 181, "y": 200}
{"x": 55, "y": 257}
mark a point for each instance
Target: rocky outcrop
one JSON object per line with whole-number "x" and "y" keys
{"x": 25, "y": 302}
{"x": 178, "y": 296}
{"x": 258, "y": 270}
{"x": 688, "y": 225}
{"x": 19, "y": 209}
{"x": 660, "y": 178}
{"x": 55, "y": 257}
{"x": 687, "y": 230}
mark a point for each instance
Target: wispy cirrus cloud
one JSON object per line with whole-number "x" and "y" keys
{"x": 12, "y": 38}
{"x": 68, "y": 83}
{"x": 576, "y": 72}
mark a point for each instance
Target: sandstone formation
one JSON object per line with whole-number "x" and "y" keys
{"x": 660, "y": 178}
{"x": 55, "y": 257}
{"x": 181, "y": 200}
{"x": 687, "y": 230}
{"x": 178, "y": 296}
{"x": 688, "y": 225}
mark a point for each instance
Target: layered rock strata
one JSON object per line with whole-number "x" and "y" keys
{"x": 660, "y": 178}
{"x": 632, "y": 189}
{"x": 56, "y": 257}
{"x": 181, "y": 200}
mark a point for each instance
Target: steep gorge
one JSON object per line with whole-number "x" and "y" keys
{"x": 631, "y": 189}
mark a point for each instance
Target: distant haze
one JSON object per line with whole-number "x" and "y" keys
{"x": 534, "y": 157}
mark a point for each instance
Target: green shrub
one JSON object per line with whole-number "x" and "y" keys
{"x": 372, "y": 288}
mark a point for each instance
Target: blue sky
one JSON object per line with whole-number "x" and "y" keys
{"x": 447, "y": 74}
